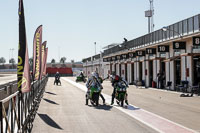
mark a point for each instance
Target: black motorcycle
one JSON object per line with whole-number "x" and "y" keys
{"x": 57, "y": 81}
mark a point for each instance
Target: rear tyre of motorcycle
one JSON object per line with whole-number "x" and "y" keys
{"x": 122, "y": 103}
{"x": 86, "y": 101}
{"x": 97, "y": 103}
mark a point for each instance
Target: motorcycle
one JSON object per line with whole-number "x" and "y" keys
{"x": 93, "y": 95}
{"x": 120, "y": 94}
{"x": 57, "y": 80}
{"x": 81, "y": 79}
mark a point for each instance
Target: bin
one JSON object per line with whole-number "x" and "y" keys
{"x": 153, "y": 84}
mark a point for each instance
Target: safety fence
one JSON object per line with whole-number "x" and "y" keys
{"x": 18, "y": 110}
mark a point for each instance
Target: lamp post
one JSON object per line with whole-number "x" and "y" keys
{"x": 11, "y": 49}
{"x": 95, "y": 47}
{"x": 167, "y": 29}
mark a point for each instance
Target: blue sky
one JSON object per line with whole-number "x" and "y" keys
{"x": 71, "y": 27}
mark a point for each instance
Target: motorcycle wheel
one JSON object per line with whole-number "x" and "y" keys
{"x": 97, "y": 102}
{"x": 86, "y": 101}
{"x": 122, "y": 103}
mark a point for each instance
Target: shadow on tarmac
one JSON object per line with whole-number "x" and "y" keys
{"x": 103, "y": 107}
{"x": 130, "y": 107}
{"x": 50, "y": 93}
{"x": 50, "y": 101}
{"x": 49, "y": 121}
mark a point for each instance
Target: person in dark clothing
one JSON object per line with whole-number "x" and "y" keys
{"x": 159, "y": 80}
{"x": 57, "y": 78}
{"x": 115, "y": 80}
{"x": 81, "y": 75}
{"x": 99, "y": 81}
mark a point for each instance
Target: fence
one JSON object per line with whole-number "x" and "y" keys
{"x": 18, "y": 110}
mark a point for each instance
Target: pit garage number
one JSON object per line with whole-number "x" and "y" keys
{"x": 163, "y": 48}
{"x": 179, "y": 45}
{"x": 196, "y": 41}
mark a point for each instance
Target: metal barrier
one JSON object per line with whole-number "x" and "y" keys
{"x": 17, "y": 111}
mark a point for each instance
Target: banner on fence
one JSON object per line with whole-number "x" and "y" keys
{"x": 37, "y": 42}
{"x": 43, "y": 58}
{"x": 23, "y": 71}
{"x": 45, "y": 61}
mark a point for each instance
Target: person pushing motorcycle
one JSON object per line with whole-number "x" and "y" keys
{"x": 116, "y": 79}
{"x": 95, "y": 80}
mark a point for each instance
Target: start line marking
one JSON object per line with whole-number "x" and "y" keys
{"x": 154, "y": 121}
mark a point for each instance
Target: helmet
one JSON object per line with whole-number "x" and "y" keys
{"x": 97, "y": 74}
{"x": 94, "y": 74}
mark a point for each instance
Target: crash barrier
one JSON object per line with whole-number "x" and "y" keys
{"x": 63, "y": 71}
{"x": 17, "y": 111}
{"x": 7, "y": 89}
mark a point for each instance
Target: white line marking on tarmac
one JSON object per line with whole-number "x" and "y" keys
{"x": 154, "y": 121}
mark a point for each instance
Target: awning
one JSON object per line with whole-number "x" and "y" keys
{"x": 172, "y": 58}
{"x": 157, "y": 58}
{"x": 190, "y": 54}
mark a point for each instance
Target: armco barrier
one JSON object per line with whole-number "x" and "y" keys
{"x": 18, "y": 110}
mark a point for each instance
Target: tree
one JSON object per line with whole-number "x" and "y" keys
{"x": 73, "y": 65}
{"x": 12, "y": 60}
{"x": 2, "y": 60}
{"x": 53, "y": 61}
{"x": 62, "y": 60}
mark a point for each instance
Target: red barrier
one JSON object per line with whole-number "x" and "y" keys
{"x": 61, "y": 70}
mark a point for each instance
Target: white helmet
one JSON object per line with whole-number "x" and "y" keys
{"x": 94, "y": 74}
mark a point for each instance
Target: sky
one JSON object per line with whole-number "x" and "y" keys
{"x": 71, "y": 27}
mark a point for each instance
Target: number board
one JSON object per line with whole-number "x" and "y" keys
{"x": 113, "y": 58}
{"x": 163, "y": 48}
{"x": 132, "y": 55}
{"x": 196, "y": 41}
{"x": 140, "y": 53}
{"x": 179, "y": 45}
{"x": 118, "y": 57}
{"x": 109, "y": 59}
{"x": 105, "y": 60}
{"x": 151, "y": 51}
{"x": 124, "y": 56}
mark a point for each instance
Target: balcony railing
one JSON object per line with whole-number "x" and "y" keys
{"x": 184, "y": 27}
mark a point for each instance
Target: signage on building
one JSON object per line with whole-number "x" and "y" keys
{"x": 179, "y": 45}
{"x": 140, "y": 53}
{"x": 163, "y": 55}
{"x": 105, "y": 60}
{"x": 163, "y": 48}
{"x": 132, "y": 55}
{"x": 118, "y": 57}
{"x": 151, "y": 51}
{"x": 109, "y": 59}
{"x": 196, "y": 41}
{"x": 113, "y": 58}
{"x": 124, "y": 56}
